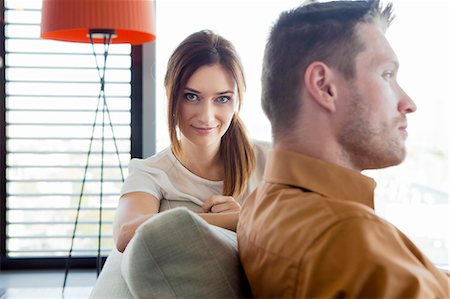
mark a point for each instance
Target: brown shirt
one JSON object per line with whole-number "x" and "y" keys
{"x": 309, "y": 231}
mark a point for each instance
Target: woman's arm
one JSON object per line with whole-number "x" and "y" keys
{"x": 134, "y": 209}
{"x": 226, "y": 220}
{"x": 221, "y": 211}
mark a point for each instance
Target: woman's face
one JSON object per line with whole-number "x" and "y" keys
{"x": 207, "y": 105}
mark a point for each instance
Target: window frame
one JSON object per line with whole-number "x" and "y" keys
{"x": 2, "y": 139}
{"x": 136, "y": 151}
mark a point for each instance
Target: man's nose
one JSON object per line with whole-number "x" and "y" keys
{"x": 406, "y": 104}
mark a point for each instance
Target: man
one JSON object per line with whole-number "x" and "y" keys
{"x": 331, "y": 94}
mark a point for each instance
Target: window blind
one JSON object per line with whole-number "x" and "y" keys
{"x": 51, "y": 93}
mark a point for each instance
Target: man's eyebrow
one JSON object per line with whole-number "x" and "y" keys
{"x": 395, "y": 63}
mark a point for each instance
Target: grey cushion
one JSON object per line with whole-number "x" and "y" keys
{"x": 110, "y": 284}
{"x": 178, "y": 254}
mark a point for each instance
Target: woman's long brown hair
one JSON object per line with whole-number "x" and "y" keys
{"x": 207, "y": 48}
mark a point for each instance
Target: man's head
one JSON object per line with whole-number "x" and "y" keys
{"x": 335, "y": 55}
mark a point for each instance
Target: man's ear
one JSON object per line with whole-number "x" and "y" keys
{"x": 319, "y": 83}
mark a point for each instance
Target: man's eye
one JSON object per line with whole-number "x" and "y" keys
{"x": 191, "y": 97}
{"x": 223, "y": 99}
{"x": 388, "y": 75}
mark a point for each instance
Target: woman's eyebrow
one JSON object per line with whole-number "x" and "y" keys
{"x": 192, "y": 90}
{"x": 226, "y": 92}
{"x": 218, "y": 93}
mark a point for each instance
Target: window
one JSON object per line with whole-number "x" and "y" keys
{"x": 51, "y": 92}
{"x": 414, "y": 195}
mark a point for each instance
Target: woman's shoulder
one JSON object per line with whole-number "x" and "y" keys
{"x": 161, "y": 160}
{"x": 261, "y": 144}
{"x": 261, "y": 147}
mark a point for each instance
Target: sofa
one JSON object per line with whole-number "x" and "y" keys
{"x": 175, "y": 254}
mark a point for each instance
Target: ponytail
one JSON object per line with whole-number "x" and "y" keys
{"x": 238, "y": 158}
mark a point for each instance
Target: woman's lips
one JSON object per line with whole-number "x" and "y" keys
{"x": 204, "y": 130}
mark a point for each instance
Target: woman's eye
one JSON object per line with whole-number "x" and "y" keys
{"x": 191, "y": 97}
{"x": 223, "y": 99}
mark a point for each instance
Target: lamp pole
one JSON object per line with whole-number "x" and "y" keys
{"x": 90, "y": 21}
{"x": 106, "y": 35}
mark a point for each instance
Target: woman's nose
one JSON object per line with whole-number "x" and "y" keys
{"x": 207, "y": 111}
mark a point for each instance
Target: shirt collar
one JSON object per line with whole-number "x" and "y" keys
{"x": 327, "y": 179}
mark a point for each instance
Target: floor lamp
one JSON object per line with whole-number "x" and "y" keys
{"x": 98, "y": 22}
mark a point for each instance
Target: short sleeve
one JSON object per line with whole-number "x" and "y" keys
{"x": 142, "y": 178}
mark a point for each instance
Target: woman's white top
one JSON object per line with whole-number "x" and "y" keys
{"x": 164, "y": 177}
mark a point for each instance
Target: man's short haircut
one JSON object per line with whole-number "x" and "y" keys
{"x": 314, "y": 31}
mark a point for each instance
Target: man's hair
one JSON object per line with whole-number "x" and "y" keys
{"x": 314, "y": 31}
{"x": 208, "y": 48}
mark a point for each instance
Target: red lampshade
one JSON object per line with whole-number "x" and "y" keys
{"x": 70, "y": 20}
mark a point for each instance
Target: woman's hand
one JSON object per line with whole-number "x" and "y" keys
{"x": 221, "y": 211}
{"x": 221, "y": 204}
{"x": 127, "y": 231}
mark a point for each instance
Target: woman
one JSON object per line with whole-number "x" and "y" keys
{"x": 211, "y": 165}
